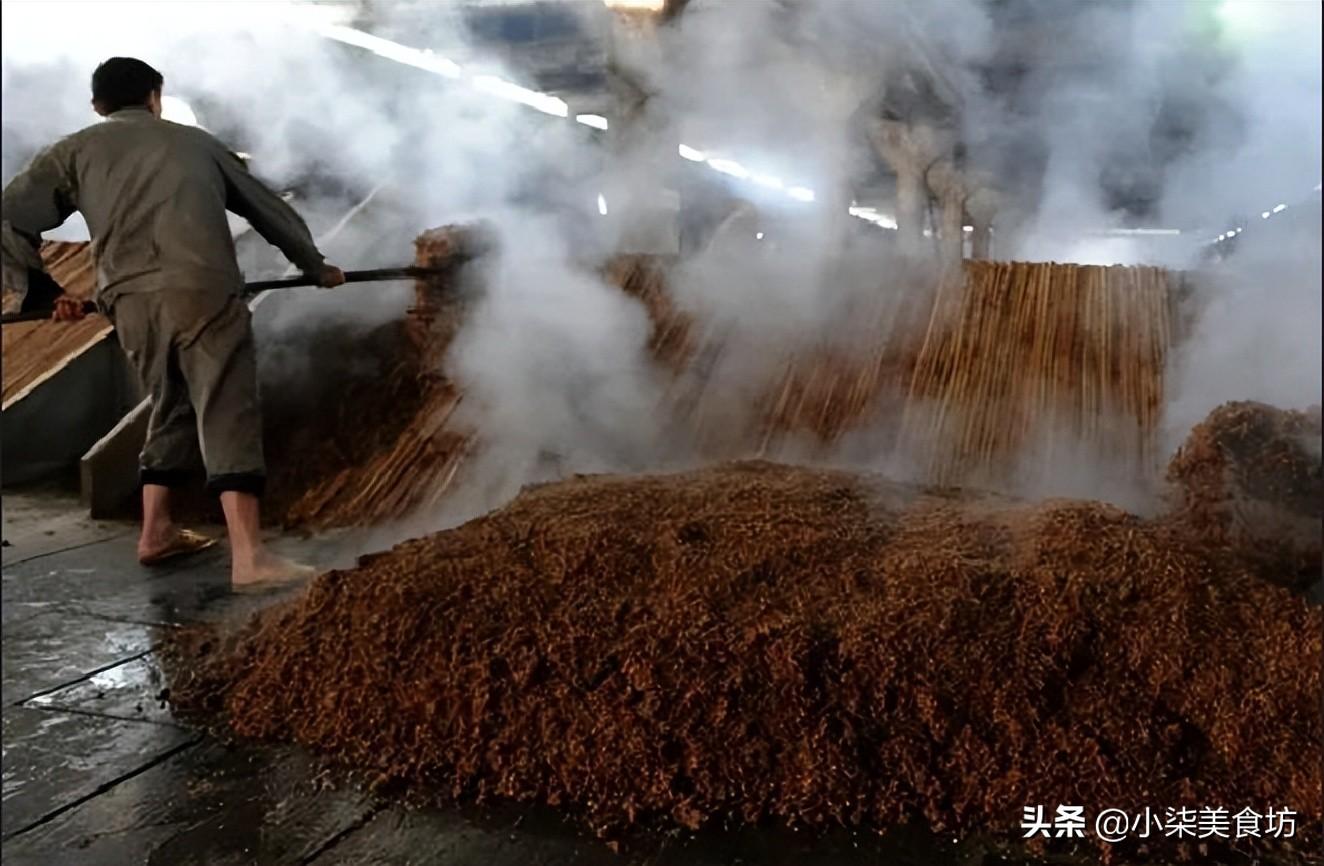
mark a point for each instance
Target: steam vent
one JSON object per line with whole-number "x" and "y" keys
{"x": 668, "y": 432}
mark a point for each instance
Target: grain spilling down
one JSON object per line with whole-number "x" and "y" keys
{"x": 996, "y": 367}
{"x": 366, "y": 440}
{"x": 1002, "y": 372}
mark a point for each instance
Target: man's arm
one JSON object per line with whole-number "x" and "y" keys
{"x": 272, "y": 218}
{"x": 38, "y": 199}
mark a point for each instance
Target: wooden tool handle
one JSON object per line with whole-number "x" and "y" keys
{"x": 372, "y": 276}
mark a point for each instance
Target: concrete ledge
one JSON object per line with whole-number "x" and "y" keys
{"x": 57, "y": 419}
{"x": 109, "y": 470}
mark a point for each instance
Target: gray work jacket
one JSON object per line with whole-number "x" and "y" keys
{"x": 154, "y": 194}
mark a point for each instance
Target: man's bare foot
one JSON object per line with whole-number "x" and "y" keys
{"x": 266, "y": 570}
{"x": 151, "y": 541}
{"x": 170, "y": 543}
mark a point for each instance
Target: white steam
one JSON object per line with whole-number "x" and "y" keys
{"x": 554, "y": 363}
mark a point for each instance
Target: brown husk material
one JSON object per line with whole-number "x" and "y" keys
{"x": 991, "y": 368}
{"x": 371, "y": 439}
{"x": 1250, "y": 475}
{"x": 756, "y": 641}
{"x": 366, "y": 440}
{"x": 672, "y": 340}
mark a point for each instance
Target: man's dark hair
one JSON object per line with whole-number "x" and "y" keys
{"x": 124, "y": 82}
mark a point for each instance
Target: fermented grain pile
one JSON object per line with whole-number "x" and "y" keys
{"x": 366, "y": 441}
{"x": 1250, "y": 475}
{"x": 764, "y": 642}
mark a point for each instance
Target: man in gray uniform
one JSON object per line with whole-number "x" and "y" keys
{"x": 155, "y": 195}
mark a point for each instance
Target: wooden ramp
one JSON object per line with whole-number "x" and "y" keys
{"x": 64, "y": 383}
{"x": 35, "y": 351}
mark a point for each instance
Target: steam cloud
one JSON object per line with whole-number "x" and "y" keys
{"x": 555, "y": 362}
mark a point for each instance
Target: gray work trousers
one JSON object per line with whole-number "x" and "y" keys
{"x": 194, "y": 352}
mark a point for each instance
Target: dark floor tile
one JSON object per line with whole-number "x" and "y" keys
{"x": 53, "y": 649}
{"x": 207, "y": 806}
{"x": 54, "y": 759}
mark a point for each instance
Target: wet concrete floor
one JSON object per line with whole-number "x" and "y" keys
{"x": 96, "y": 770}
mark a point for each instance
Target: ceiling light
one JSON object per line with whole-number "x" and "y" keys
{"x": 597, "y": 121}
{"x": 636, "y": 5}
{"x": 691, "y": 154}
{"x": 758, "y": 236}
{"x": 424, "y": 59}
{"x": 1279, "y": 208}
{"x": 533, "y": 99}
{"x": 602, "y": 204}
{"x": 871, "y": 215}
{"x": 726, "y": 166}
{"x": 801, "y": 193}
{"x": 967, "y": 228}
{"x": 1265, "y": 215}
{"x": 767, "y": 180}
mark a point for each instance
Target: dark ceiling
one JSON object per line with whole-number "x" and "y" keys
{"x": 562, "y": 48}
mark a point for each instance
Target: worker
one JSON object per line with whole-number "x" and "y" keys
{"x": 155, "y": 195}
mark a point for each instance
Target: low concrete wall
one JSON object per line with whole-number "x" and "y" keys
{"x": 108, "y": 472}
{"x": 49, "y": 429}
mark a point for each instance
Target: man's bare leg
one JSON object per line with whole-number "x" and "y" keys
{"x": 159, "y": 529}
{"x": 250, "y": 561}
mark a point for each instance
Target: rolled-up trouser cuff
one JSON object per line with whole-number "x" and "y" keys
{"x": 163, "y": 477}
{"x": 253, "y": 483}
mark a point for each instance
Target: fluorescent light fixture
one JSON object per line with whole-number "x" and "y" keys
{"x": 597, "y": 121}
{"x": 602, "y": 204}
{"x": 758, "y": 236}
{"x": 1265, "y": 215}
{"x": 1279, "y": 208}
{"x": 177, "y": 110}
{"x": 504, "y": 89}
{"x": 735, "y": 169}
{"x": 870, "y": 214}
{"x": 422, "y": 59}
{"x": 727, "y": 166}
